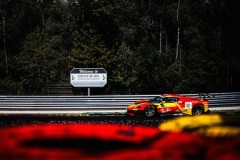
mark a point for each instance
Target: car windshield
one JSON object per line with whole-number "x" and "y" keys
{"x": 157, "y": 99}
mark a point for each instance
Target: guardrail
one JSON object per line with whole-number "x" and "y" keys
{"x": 101, "y": 103}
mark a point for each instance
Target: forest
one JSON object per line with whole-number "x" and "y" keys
{"x": 146, "y": 46}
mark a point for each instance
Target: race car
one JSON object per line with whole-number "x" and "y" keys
{"x": 168, "y": 104}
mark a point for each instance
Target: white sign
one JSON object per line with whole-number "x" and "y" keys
{"x": 88, "y": 77}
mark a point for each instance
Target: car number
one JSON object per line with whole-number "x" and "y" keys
{"x": 188, "y": 105}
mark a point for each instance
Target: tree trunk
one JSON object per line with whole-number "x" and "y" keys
{"x": 166, "y": 45}
{"x": 4, "y": 44}
{"x": 160, "y": 38}
{"x": 178, "y": 32}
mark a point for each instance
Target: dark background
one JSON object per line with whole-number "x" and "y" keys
{"x": 135, "y": 41}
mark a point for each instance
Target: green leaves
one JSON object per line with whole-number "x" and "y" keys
{"x": 88, "y": 50}
{"x": 135, "y": 41}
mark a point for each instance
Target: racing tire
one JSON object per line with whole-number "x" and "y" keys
{"x": 149, "y": 111}
{"x": 197, "y": 110}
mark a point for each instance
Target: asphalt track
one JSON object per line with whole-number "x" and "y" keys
{"x": 7, "y": 120}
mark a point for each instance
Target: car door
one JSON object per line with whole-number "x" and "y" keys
{"x": 168, "y": 105}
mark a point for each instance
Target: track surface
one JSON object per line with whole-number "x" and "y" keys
{"x": 122, "y": 119}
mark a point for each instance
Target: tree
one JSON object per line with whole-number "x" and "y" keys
{"x": 88, "y": 50}
{"x": 43, "y": 57}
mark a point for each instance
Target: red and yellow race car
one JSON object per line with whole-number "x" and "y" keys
{"x": 168, "y": 104}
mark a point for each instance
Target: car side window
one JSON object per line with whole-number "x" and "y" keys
{"x": 170, "y": 99}
{"x": 173, "y": 99}
{"x": 156, "y": 99}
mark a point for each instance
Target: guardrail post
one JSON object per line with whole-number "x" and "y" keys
{"x": 88, "y": 91}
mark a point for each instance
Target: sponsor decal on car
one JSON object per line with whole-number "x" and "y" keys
{"x": 188, "y": 105}
{"x": 165, "y": 110}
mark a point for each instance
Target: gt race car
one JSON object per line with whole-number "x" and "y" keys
{"x": 168, "y": 104}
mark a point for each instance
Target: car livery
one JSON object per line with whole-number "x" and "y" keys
{"x": 168, "y": 104}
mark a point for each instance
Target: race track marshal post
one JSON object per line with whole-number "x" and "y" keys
{"x": 88, "y": 77}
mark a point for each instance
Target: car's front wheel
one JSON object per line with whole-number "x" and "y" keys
{"x": 150, "y": 111}
{"x": 197, "y": 110}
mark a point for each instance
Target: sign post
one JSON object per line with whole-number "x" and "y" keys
{"x": 88, "y": 77}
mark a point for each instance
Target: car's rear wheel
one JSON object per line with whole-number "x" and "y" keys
{"x": 150, "y": 111}
{"x": 197, "y": 110}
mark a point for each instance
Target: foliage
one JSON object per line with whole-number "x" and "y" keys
{"x": 135, "y": 41}
{"x": 88, "y": 51}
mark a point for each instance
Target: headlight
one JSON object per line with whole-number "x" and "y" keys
{"x": 136, "y": 107}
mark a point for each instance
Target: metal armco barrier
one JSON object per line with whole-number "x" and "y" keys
{"x": 101, "y": 103}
